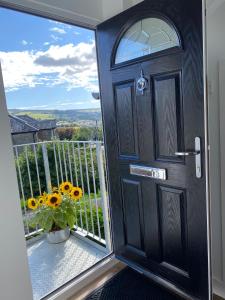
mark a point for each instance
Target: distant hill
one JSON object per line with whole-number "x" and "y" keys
{"x": 85, "y": 117}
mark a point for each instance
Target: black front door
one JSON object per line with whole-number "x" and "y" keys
{"x": 151, "y": 78}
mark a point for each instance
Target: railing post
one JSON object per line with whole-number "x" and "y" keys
{"x": 46, "y": 167}
{"x": 105, "y": 204}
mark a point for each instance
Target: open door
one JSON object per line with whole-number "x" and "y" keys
{"x": 152, "y": 92}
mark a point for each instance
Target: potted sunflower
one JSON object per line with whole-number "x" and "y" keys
{"x": 55, "y": 212}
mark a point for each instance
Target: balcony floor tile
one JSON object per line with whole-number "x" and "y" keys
{"x": 52, "y": 265}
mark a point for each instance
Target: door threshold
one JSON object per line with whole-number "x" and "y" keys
{"x": 98, "y": 282}
{"x": 82, "y": 281}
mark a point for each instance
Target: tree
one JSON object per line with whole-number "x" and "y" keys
{"x": 87, "y": 134}
{"x": 65, "y": 133}
{"x": 64, "y": 163}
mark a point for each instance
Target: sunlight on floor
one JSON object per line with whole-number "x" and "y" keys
{"x": 52, "y": 265}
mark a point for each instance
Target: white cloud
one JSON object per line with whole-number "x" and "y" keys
{"x": 34, "y": 107}
{"x": 54, "y": 22}
{"x": 58, "y": 30}
{"x": 64, "y": 105}
{"x": 46, "y": 44}
{"x": 70, "y": 103}
{"x": 24, "y": 42}
{"x": 70, "y": 65}
{"x": 55, "y": 38}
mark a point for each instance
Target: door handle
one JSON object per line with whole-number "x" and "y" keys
{"x": 197, "y": 154}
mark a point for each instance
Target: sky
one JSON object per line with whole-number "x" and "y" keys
{"x": 47, "y": 64}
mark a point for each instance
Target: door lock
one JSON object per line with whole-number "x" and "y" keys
{"x": 197, "y": 154}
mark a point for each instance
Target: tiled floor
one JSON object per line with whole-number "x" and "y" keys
{"x": 52, "y": 265}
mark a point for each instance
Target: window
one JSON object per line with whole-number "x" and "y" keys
{"x": 145, "y": 37}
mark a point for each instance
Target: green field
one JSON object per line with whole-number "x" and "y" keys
{"x": 37, "y": 116}
{"x": 74, "y": 115}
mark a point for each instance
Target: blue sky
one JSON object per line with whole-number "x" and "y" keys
{"x": 47, "y": 64}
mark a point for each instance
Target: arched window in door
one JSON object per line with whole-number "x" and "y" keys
{"x": 147, "y": 36}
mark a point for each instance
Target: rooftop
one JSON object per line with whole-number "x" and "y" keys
{"x": 25, "y": 124}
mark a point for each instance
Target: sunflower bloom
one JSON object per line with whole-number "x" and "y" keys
{"x": 41, "y": 200}
{"x": 66, "y": 187}
{"x": 76, "y": 193}
{"x": 55, "y": 190}
{"x": 54, "y": 200}
{"x": 44, "y": 196}
{"x": 32, "y": 203}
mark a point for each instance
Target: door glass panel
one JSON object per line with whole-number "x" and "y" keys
{"x": 145, "y": 37}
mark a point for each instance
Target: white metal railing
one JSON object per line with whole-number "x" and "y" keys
{"x": 41, "y": 166}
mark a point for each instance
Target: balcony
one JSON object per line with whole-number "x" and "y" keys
{"x": 42, "y": 166}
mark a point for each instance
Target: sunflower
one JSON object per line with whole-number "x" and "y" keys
{"x": 32, "y": 203}
{"x": 41, "y": 200}
{"x": 54, "y": 200}
{"x": 76, "y": 193}
{"x": 55, "y": 190}
{"x": 44, "y": 196}
{"x": 66, "y": 187}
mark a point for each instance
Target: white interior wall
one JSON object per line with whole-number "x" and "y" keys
{"x": 109, "y": 8}
{"x": 14, "y": 272}
{"x": 215, "y": 55}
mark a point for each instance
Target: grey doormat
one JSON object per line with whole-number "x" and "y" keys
{"x": 129, "y": 285}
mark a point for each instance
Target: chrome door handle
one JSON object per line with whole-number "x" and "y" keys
{"x": 188, "y": 153}
{"x": 197, "y": 154}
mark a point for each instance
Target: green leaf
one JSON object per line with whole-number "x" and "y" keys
{"x": 61, "y": 224}
{"x": 47, "y": 224}
{"x": 71, "y": 221}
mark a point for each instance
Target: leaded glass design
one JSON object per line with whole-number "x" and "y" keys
{"x": 145, "y": 37}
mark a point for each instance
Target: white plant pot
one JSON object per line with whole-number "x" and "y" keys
{"x": 58, "y": 236}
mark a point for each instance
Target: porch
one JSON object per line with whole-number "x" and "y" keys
{"x": 42, "y": 166}
{"x": 53, "y": 265}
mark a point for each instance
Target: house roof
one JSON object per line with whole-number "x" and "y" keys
{"x": 39, "y": 124}
{"x": 19, "y": 126}
{"x": 24, "y": 124}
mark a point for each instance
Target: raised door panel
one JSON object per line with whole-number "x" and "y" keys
{"x": 133, "y": 214}
{"x": 173, "y": 228}
{"x": 168, "y": 116}
{"x": 126, "y": 119}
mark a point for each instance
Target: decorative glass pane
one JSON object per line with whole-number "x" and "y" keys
{"x": 145, "y": 37}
